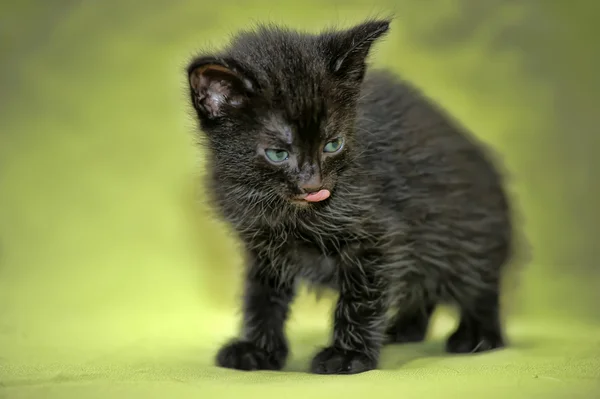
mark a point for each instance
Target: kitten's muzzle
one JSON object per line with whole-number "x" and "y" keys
{"x": 312, "y": 185}
{"x": 312, "y": 190}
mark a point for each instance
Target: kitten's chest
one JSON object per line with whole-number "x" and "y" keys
{"x": 316, "y": 244}
{"x": 315, "y": 255}
{"x": 315, "y": 265}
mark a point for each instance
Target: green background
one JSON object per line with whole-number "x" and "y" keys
{"x": 115, "y": 279}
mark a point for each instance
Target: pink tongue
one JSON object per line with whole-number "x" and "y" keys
{"x": 318, "y": 196}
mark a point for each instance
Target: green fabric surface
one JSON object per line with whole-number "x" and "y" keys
{"x": 546, "y": 361}
{"x": 117, "y": 282}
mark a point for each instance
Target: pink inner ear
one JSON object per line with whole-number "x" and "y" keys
{"x": 216, "y": 86}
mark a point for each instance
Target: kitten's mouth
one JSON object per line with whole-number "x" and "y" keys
{"x": 317, "y": 196}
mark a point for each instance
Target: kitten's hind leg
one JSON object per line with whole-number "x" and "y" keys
{"x": 480, "y": 328}
{"x": 410, "y": 325}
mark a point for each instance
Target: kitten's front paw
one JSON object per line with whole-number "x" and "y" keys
{"x": 338, "y": 361}
{"x": 242, "y": 355}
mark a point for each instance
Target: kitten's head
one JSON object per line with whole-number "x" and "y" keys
{"x": 277, "y": 108}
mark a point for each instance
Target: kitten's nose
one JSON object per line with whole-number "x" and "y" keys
{"x": 311, "y": 185}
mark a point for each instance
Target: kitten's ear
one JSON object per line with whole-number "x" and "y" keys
{"x": 217, "y": 86}
{"x": 347, "y": 50}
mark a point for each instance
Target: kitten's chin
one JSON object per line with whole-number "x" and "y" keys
{"x": 300, "y": 203}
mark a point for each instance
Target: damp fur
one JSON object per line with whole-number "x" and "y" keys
{"x": 418, "y": 214}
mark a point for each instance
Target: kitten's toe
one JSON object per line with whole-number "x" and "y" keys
{"x": 242, "y": 355}
{"x": 337, "y": 361}
{"x": 464, "y": 341}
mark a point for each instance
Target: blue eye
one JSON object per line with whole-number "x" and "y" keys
{"x": 334, "y": 145}
{"x": 276, "y": 155}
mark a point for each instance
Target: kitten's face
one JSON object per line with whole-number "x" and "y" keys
{"x": 302, "y": 160}
{"x": 278, "y": 110}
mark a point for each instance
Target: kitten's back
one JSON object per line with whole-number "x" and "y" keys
{"x": 407, "y": 132}
{"x": 431, "y": 170}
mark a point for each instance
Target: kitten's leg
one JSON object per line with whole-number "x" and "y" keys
{"x": 359, "y": 320}
{"x": 410, "y": 325}
{"x": 263, "y": 345}
{"x": 480, "y": 328}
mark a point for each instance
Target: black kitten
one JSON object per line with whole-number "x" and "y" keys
{"x": 352, "y": 181}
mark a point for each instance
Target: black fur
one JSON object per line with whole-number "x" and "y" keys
{"x": 417, "y": 214}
